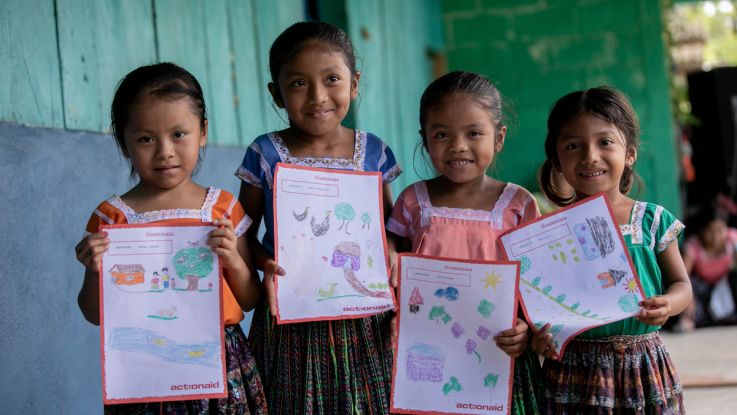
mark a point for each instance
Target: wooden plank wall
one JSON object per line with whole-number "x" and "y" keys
{"x": 61, "y": 60}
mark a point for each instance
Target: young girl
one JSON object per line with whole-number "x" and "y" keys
{"x": 462, "y": 212}
{"x": 620, "y": 367}
{"x": 325, "y": 367}
{"x": 160, "y": 124}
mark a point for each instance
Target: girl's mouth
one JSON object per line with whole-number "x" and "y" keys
{"x": 458, "y": 164}
{"x": 590, "y": 174}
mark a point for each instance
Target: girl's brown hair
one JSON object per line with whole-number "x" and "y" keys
{"x": 604, "y": 102}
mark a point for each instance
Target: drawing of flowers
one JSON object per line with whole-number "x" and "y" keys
{"x": 471, "y": 348}
{"x": 485, "y": 308}
{"x": 457, "y": 330}
{"x": 483, "y": 332}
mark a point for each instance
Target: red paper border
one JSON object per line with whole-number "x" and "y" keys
{"x": 621, "y": 239}
{"x": 395, "y": 340}
{"x": 281, "y": 165}
{"x": 105, "y": 400}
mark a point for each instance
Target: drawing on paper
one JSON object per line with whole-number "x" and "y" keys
{"x": 425, "y": 363}
{"x": 415, "y": 301}
{"x": 301, "y": 216}
{"x": 452, "y": 386}
{"x": 630, "y": 285}
{"x": 457, "y": 330}
{"x": 601, "y": 235}
{"x": 525, "y": 264}
{"x": 490, "y": 381}
{"x": 127, "y": 274}
{"x": 483, "y": 333}
{"x": 345, "y": 212}
{"x": 347, "y": 255}
{"x": 586, "y": 240}
{"x": 439, "y": 314}
{"x": 450, "y": 293}
{"x": 165, "y": 313}
{"x": 471, "y": 348}
{"x": 137, "y": 340}
{"x": 308, "y": 284}
{"x": 628, "y": 303}
{"x": 485, "y": 308}
{"x": 320, "y": 229}
{"x": 491, "y": 280}
{"x": 327, "y": 291}
{"x": 366, "y": 221}
{"x": 192, "y": 264}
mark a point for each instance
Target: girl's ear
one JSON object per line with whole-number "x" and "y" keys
{"x": 631, "y": 157}
{"x": 203, "y": 134}
{"x": 276, "y": 94}
{"x": 499, "y": 139}
{"x": 354, "y": 85}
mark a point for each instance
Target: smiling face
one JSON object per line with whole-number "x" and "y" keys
{"x": 461, "y": 138}
{"x": 316, "y": 88}
{"x": 592, "y": 155}
{"x": 163, "y": 139}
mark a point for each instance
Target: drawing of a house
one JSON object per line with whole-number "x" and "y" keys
{"x": 605, "y": 279}
{"x": 129, "y": 274}
{"x": 425, "y": 363}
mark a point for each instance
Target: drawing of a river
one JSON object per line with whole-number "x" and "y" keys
{"x": 136, "y": 340}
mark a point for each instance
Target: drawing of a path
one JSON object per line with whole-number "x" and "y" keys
{"x": 137, "y": 340}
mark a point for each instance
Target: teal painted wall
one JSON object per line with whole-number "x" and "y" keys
{"x": 62, "y": 60}
{"x": 539, "y": 50}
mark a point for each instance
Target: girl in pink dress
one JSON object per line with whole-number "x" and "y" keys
{"x": 462, "y": 212}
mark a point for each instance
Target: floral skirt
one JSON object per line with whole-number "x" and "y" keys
{"x": 613, "y": 375}
{"x": 324, "y": 367}
{"x": 245, "y": 392}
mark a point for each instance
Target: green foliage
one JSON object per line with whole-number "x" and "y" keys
{"x": 195, "y": 261}
{"x": 452, "y": 386}
{"x": 485, "y": 308}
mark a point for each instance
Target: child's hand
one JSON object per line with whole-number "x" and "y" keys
{"x": 513, "y": 341}
{"x": 90, "y": 249}
{"x": 224, "y": 243}
{"x": 393, "y": 271}
{"x": 271, "y": 269}
{"x": 655, "y": 310}
{"x": 542, "y": 343}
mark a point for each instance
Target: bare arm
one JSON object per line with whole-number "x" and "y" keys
{"x": 656, "y": 310}
{"x": 89, "y": 253}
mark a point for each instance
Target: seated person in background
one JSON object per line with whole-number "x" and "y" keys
{"x": 709, "y": 256}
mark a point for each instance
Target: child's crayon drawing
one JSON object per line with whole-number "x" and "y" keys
{"x": 334, "y": 267}
{"x": 580, "y": 276}
{"x": 447, "y": 355}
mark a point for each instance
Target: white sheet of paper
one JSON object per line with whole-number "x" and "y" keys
{"x": 330, "y": 240}
{"x": 162, "y": 333}
{"x": 445, "y": 358}
{"x": 576, "y": 272}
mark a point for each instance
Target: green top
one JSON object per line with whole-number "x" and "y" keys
{"x": 650, "y": 231}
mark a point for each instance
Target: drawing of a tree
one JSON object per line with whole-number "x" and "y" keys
{"x": 193, "y": 263}
{"x": 560, "y": 298}
{"x": 437, "y": 313}
{"x": 547, "y": 289}
{"x": 490, "y": 382}
{"x": 344, "y": 212}
{"x": 452, "y": 386}
{"x": 536, "y": 281}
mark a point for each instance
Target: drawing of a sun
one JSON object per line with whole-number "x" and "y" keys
{"x": 491, "y": 280}
{"x": 631, "y": 285}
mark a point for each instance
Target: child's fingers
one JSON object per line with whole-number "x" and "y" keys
{"x": 393, "y": 279}
{"x": 519, "y": 338}
{"x": 541, "y": 339}
{"x": 223, "y": 223}
{"x": 654, "y": 302}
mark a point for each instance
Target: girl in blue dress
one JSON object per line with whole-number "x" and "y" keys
{"x": 325, "y": 367}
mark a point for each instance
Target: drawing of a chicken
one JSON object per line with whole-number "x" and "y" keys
{"x": 319, "y": 229}
{"x": 302, "y": 216}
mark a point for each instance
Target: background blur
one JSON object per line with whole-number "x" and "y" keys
{"x": 60, "y": 61}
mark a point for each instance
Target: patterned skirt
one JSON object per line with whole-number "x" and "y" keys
{"x": 527, "y": 385}
{"x": 325, "y": 367}
{"x": 245, "y": 392}
{"x": 613, "y": 375}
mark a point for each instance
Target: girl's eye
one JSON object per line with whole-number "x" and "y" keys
{"x": 298, "y": 83}
{"x": 333, "y": 78}
{"x": 606, "y": 142}
{"x": 571, "y": 146}
{"x": 145, "y": 140}
{"x": 475, "y": 133}
{"x": 440, "y": 136}
{"x": 180, "y": 135}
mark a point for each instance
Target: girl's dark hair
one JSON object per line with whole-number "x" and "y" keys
{"x": 604, "y": 102}
{"x": 163, "y": 80}
{"x": 477, "y": 86}
{"x": 291, "y": 41}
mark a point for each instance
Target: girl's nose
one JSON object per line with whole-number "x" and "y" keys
{"x": 591, "y": 154}
{"x": 318, "y": 94}
{"x": 164, "y": 148}
{"x": 458, "y": 144}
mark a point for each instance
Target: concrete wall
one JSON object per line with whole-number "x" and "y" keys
{"x": 539, "y": 50}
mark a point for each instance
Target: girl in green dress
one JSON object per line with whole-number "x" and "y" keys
{"x": 622, "y": 367}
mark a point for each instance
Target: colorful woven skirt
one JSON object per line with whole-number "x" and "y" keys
{"x": 613, "y": 375}
{"x": 527, "y": 385}
{"x": 245, "y": 392}
{"x": 325, "y": 367}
